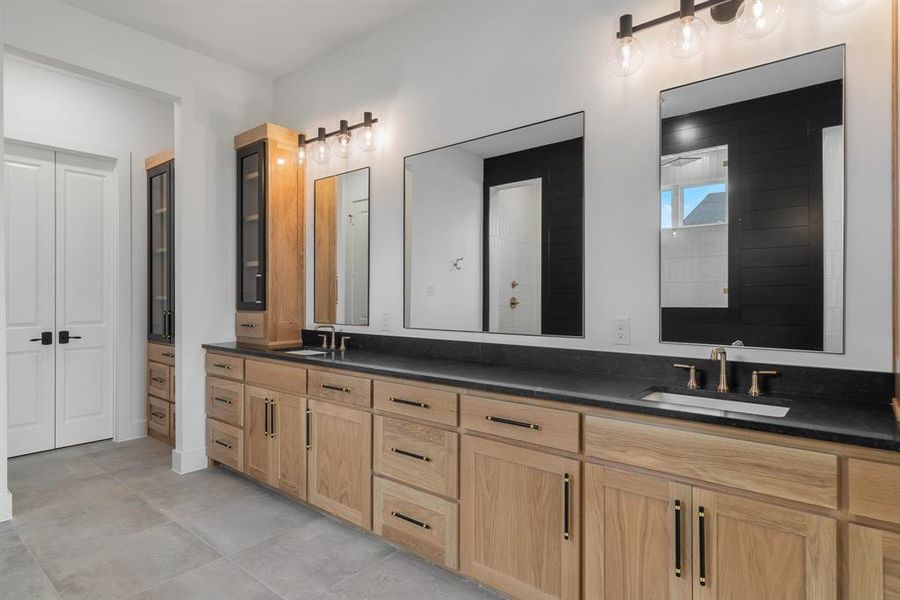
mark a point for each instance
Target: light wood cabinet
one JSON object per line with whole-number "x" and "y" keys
{"x": 275, "y": 439}
{"x": 874, "y": 569}
{"x": 746, "y": 550}
{"x": 520, "y": 520}
{"x": 340, "y": 461}
{"x": 637, "y": 536}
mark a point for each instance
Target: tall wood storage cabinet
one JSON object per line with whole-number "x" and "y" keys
{"x": 269, "y": 237}
{"x": 161, "y": 295}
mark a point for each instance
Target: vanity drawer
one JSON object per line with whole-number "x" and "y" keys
{"x": 225, "y": 400}
{"x": 250, "y": 325}
{"x": 425, "y": 524}
{"x": 343, "y": 388}
{"x": 792, "y": 473}
{"x": 224, "y": 365}
{"x": 161, "y": 353}
{"x": 423, "y": 456}
{"x": 280, "y": 377}
{"x": 874, "y": 490}
{"x": 158, "y": 415}
{"x": 225, "y": 444}
{"x": 438, "y": 406}
{"x": 158, "y": 383}
{"x": 525, "y": 422}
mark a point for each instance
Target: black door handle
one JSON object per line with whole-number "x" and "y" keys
{"x": 64, "y": 337}
{"x": 46, "y": 338}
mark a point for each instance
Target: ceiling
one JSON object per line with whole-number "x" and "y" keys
{"x": 268, "y": 37}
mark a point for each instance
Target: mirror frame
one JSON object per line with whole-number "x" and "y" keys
{"x": 659, "y": 119}
{"x": 403, "y": 240}
{"x": 368, "y": 257}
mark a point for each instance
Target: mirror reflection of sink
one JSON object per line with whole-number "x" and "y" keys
{"x": 306, "y": 352}
{"x": 712, "y": 406}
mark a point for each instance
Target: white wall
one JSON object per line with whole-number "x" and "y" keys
{"x": 214, "y": 102}
{"x": 5, "y": 497}
{"x": 46, "y": 104}
{"x": 445, "y": 220}
{"x": 429, "y": 89}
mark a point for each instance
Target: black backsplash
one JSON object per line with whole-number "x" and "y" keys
{"x": 848, "y": 385}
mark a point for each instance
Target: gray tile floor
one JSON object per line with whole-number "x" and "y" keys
{"x": 110, "y": 521}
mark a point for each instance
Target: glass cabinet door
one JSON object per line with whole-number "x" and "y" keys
{"x": 160, "y": 237}
{"x": 251, "y": 206}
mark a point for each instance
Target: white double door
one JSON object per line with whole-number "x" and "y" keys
{"x": 60, "y": 249}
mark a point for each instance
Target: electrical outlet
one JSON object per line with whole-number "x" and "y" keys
{"x": 622, "y": 331}
{"x": 386, "y": 321}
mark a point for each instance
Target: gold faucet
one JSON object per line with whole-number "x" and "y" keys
{"x": 755, "y": 390}
{"x": 718, "y": 354}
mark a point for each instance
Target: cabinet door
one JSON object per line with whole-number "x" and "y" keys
{"x": 251, "y": 233}
{"x": 747, "y": 550}
{"x": 288, "y": 435}
{"x": 340, "y": 461}
{"x": 257, "y": 446}
{"x": 520, "y": 520}
{"x": 874, "y": 564}
{"x": 160, "y": 253}
{"x": 637, "y": 536}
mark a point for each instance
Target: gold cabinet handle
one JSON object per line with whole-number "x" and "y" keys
{"x": 223, "y": 444}
{"x": 334, "y": 388}
{"x": 223, "y": 400}
{"x": 532, "y": 426}
{"x": 158, "y": 415}
{"x": 222, "y": 366}
{"x": 421, "y": 457}
{"x": 168, "y": 354}
{"x": 158, "y": 379}
{"x": 410, "y": 403}
{"x": 249, "y": 325}
{"x": 416, "y": 522}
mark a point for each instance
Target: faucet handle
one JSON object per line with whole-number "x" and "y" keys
{"x": 344, "y": 339}
{"x": 324, "y": 337}
{"x": 754, "y": 382}
{"x": 692, "y": 378}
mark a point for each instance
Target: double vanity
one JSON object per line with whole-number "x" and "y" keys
{"x": 555, "y": 484}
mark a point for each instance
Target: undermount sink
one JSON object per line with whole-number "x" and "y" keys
{"x": 712, "y": 406}
{"x": 305, "y": 352}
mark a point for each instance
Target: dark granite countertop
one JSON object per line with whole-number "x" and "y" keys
{"x": 833, "y": 420}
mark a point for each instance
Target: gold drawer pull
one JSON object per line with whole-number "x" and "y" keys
{"x": 415, "y": 522}
{"x": 410, "y": 454}
{"x": 222, "y": 366}
{"x": 410, "y": 403}
{"x": 168, "y": 354}
{"x": 223, "y": 444}
{"x": 158, "y": 379}
{"x": 335, "y": 388}
{"x": 511, "y": 422}
{"x": 250, "y": 325}
{"x": 158, "y": 415}
{"x": 225, "y": 400}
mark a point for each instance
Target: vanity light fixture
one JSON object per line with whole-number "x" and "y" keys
{"x": 626, "y": 54}
{"x": 839, "y": 7}
{"x": 320, "y": 151}
{"x": 687, "y": 35}
{"x": 757, "y": 18}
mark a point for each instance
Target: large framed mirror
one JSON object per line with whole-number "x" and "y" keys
{"x": 494, "y": 232}
{"x": 752, "y": 207}
{"x": 341, "y": 230}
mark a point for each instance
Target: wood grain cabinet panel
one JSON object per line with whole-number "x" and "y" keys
{"x": 275, "y": 439}
{"x": 792, "y": 473}
{"x": 158, "y": 382}
{"x": 539, "y": 425}
{"x": 225, "y": 365}
{"x": 874, "y": 490}
{"x": 225, "y": 444}
{"x": 520, "y": 520}
{"x": 428, "y": 404}
{"x": 348, "y": 389}
{"x": 158, "y": 416}
{"x": 225, "y": 400}
{"x": 250, "y": 325}
{"x": 161, "y": 353}
{"x": 257, "y": 449}
{"x": 874, "y": 564}
{"x": 423, "y": 456}
{"x": 749, "y": 550}
{"x": 637, "y": 536}
{"x": 424, "y": 524}
{"x": 340, "y": 461}
{"x": 285, "y": 377}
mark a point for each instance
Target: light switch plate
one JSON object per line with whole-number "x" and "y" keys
{"x": 622, "y": 331}
{"x": 386, "y": 321}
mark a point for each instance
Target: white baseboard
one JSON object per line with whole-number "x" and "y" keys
{"x": 5, "y": 506}
{"x": 188, "y": 461}
{"x": 134, "y": 431}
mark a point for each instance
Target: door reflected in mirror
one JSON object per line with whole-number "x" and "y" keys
{"x": 493, "y": 232}
{"x": 342, "y": 249}
{"x": 752, "y": 207}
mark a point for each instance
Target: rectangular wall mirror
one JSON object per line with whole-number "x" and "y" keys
{"x": 494, "y": 235}
{"x": 752, "y": 207}
{"x": 342, "y": 249}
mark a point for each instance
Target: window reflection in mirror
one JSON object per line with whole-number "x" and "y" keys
{"x": 342, "y": 249}
{"x": 752, "y": 207}
{"x": 494, "y": 232}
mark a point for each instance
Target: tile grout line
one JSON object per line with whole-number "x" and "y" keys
{"x": 40, "y": 567}
{"x": 253, "y": 577}
{"x": 393, "y": 551}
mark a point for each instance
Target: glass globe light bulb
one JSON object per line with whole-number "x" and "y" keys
{"x": 626, "y": 55}
{"x": 839, "y": 7}
{"x": 366, "y": 138}
{"x": 760, "y": 17}
{"x": 341, "y": 145}
{"x": 686, "y": 37}
{"x": 321, "y": 152}
{"x": 301, "y": 155}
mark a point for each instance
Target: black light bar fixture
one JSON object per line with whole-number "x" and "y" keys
{"x": 320, "y": 149}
